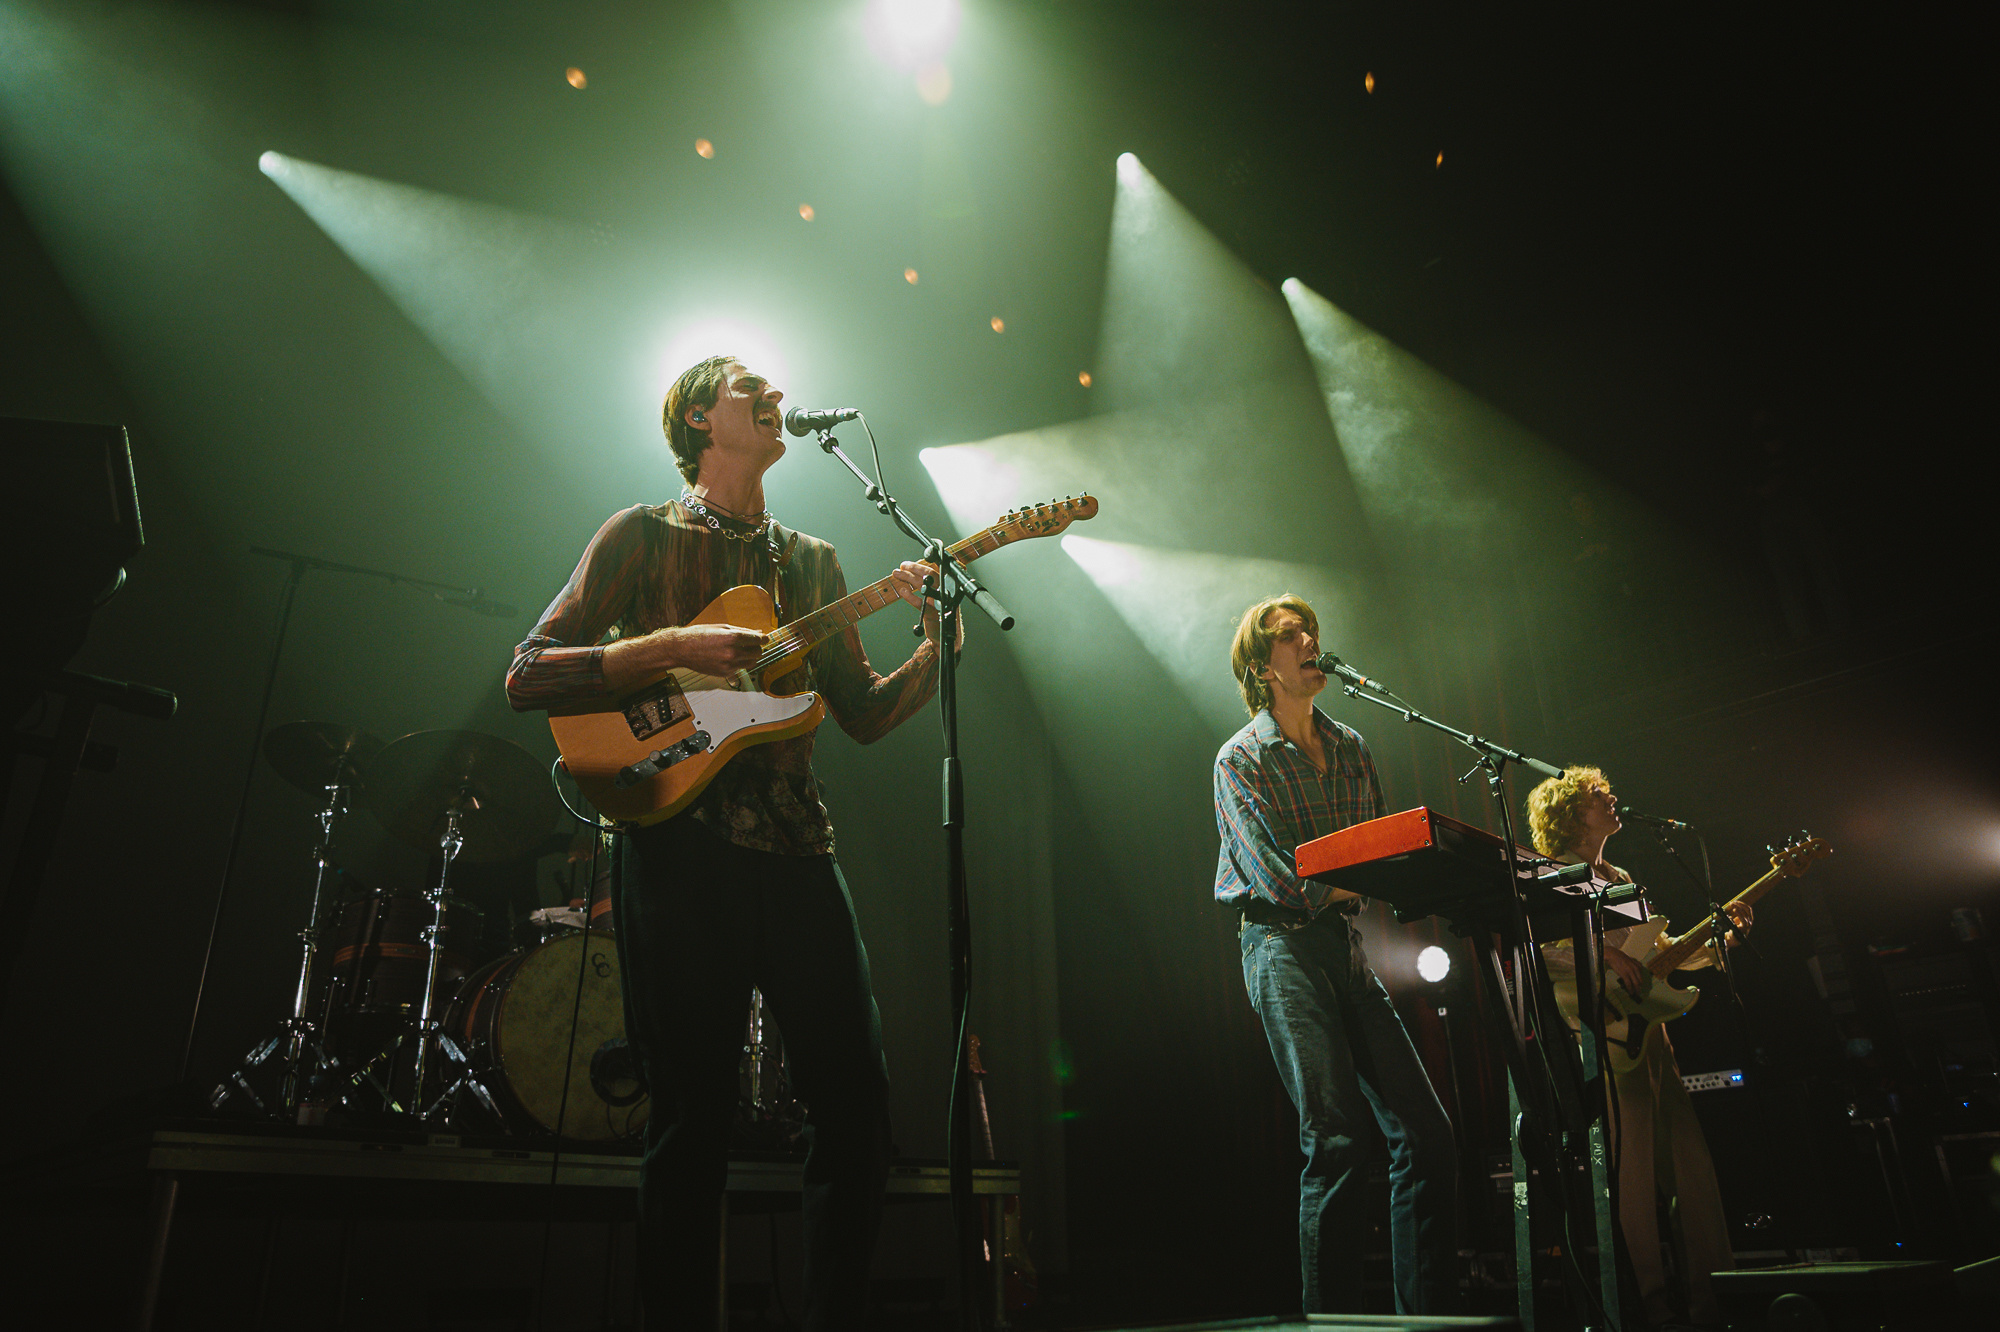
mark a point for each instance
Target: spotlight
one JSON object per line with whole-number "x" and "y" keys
{"x": 1434, "y": 964}
{"x": 910, "y": 276}
{"x": 1083, "y": 378}
{"x": 999, "y": 324}
{"x": 1368, "y": 81}
{"x": 703, "y": 148}
{"x": 575, "y": 77}
{"x": 806, "y": 212}
{"x": 911, "y": 34}
{"x": 270, "y": 163}
{"x": 1128, "y": 168}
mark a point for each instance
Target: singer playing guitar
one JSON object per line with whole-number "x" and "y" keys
{"x": 1656, "y": 1141}
{"x": 741, "y": 888}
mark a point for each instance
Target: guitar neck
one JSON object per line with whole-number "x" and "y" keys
{"x": 1675, "y": 955}
{"x": 809, "y": 631}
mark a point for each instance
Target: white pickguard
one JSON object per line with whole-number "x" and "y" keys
{"x": 722, "y": 710}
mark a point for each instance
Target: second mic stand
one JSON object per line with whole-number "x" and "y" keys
{"x": 951, "y": 586}
{"x": 1564, "y": 1105}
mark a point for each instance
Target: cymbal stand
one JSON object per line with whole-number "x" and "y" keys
{"x": 430, "y": 1030}
{"x": 299, "y": 1035}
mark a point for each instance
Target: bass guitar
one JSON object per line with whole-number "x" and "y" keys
{"x": 645, "y": 754}
{"x": 1660, "y": 956}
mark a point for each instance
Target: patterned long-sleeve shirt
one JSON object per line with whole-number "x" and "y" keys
{"x": 1269, "y": 798}
{"x": 655, "y": 566}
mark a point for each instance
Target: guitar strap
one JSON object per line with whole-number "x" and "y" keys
{"x": 780, "y": 543}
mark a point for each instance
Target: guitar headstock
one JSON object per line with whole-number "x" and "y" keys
{"x": 1038, "y": 520}
{"x": 1798, "y": 855}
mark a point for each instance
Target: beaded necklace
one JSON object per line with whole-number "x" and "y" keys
{"x": 763, "y": 530}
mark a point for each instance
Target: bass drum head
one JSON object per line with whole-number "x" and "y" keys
{"x": 531, "y": 1046}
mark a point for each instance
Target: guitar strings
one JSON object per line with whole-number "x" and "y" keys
{"x": 779, "y": 648}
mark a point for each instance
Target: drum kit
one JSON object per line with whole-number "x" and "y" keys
{"x": 432, "y": 1008}
{"x": 400, "y": 1010}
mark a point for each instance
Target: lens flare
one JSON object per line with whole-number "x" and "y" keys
{"x": 934, "y": 84}
{"x": 910, "y": 276}
{"x": 806, "y": 212}
{"x": 575, "y": 77}
{"x": 703, "y": 148}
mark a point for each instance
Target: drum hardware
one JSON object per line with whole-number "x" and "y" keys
{"x": 470, "y": 795}
{"x": 430, "y": 1035}
{"x": 468, "y": 1080}
{"x": 768, "y": 1117}
{"x": 756, "y": 1051}
{"x": 329, "y": 758}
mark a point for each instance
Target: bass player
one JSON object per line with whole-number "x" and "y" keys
{"x": 1658, "y": 1150}
{"x": 741, "y": 888}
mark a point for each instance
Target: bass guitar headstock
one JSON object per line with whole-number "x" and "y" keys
{"x": 1798, "y": 855}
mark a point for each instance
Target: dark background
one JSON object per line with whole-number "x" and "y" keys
{"x": 1717, "y": 526}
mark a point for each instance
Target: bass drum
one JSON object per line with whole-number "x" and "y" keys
{"x": 513, "y": 1017}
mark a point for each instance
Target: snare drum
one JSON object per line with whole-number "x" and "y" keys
{"x": 513, "y": 1015}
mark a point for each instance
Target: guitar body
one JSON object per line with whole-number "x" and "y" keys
{"x": 703, "y": 721}
{"x": 1626, "y": 1018}
{"x": 1660, "y": 957}
{"x": 644, "y": 755}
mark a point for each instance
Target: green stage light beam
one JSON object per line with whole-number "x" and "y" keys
{"x": 507, "y": 297}
{"x": 1445, "y": 476}
{"x": 1184, "y": 606}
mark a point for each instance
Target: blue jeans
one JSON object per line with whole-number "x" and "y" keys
{"x": 701, "y": 920}
{"x": 1342, "y": 1052}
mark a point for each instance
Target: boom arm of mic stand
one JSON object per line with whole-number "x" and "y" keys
{"x": 386, "y": 575}
{"x": 969, "y": 588}
{"x": 1466, "y": 738}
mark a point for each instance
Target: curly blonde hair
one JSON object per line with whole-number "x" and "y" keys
{"x": 1554, "y": 819}
{"x": 1252, "y": 648}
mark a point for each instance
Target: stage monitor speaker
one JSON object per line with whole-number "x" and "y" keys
{"x": 1841, "y": 1297}
{"x": 69, "y": 522}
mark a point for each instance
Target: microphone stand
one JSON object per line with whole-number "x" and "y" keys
{"x": 470, "y": 597}
{"x": 952, "y": 585}
{"x": 1556, "y": 1105}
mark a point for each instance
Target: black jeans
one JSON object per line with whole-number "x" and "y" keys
{"x": 1343, "y": 1053}
{"x": 701, "y": 920}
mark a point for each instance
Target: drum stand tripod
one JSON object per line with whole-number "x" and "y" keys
{"x": 300, "y": 1038}
{"x": 430, "y": 1030}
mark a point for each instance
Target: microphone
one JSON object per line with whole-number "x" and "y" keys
{"x": 475, "y": 600}
{"x": 1333, "y": 665}
{"x": 804, "y": 420}
{"x": 1627, "y": 812}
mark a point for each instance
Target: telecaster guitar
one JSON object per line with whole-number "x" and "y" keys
{"x": 646, "y": 754}
{"x": 1661, "y": 956}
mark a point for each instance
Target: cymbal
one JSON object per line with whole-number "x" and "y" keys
{"x": 503, "y": 797}
{"x": 315, "y": 755}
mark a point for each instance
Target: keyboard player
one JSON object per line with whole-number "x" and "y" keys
{"x": 1291, "y": 775}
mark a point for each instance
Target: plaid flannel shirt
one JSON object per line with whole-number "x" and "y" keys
{"x": 1269, "y": 798}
